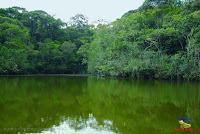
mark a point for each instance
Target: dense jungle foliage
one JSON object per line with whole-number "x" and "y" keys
{"x": 35, "y": 42}
{"x": 161, "y": 39}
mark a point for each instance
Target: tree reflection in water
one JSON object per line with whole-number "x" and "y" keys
{"x": 81, "y": 126}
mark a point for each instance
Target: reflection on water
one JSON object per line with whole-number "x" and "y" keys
{"x": 81, "y": 126}
{"x": 55, "y": 104}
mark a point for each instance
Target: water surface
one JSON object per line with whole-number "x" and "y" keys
{"x": 90, "y": 105}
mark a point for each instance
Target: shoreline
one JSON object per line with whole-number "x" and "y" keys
{"x": 100, "y": 76}
{"x": 76, "y": 75}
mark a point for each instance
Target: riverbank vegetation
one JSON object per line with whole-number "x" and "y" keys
{"x": 158, "y": 40}
{"x": 161, "y": 39}
{"x": 35, "y": 42}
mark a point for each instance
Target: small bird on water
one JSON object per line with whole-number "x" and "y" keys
{"x": 184, "y": 125}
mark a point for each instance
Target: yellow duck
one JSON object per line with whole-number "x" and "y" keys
{"x": 184, "y": 125}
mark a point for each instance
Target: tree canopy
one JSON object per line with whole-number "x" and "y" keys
{"x": 36, "y": 42}
{"x": 160, "y": 39}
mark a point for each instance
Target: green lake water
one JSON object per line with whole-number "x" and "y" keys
{"x": 90, "y": 105}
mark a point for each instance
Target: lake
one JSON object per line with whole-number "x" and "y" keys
{"x": 91, "y": 105}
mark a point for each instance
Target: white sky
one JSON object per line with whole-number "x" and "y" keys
{"x": 108, "y": 10}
